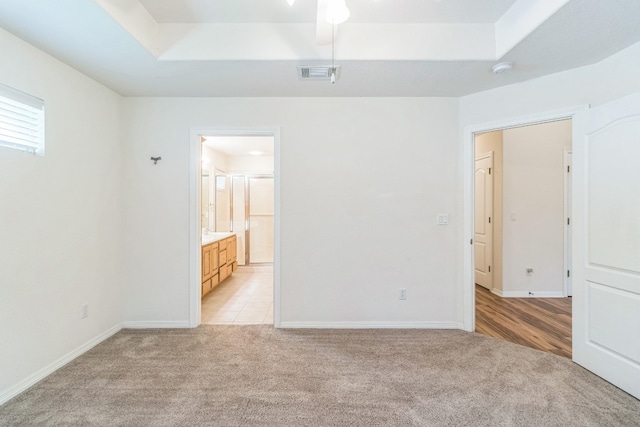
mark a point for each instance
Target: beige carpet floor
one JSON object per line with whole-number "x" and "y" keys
{"x": 258, "y": 376}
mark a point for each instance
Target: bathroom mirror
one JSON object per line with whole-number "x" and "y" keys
{"x": 204, "y": 204}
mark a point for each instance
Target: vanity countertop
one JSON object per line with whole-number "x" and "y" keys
{"x": 214, "y": 237}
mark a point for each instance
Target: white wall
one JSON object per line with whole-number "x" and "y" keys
{"x": 60, "y": 221}
{"x": 219, "y": 160}
{"x": 362, "y": 181}
{"x": 251, "y": 165}
{"x": 596, "y": 84}
{"x": 533, "y": 191}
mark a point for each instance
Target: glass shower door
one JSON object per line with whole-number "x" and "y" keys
{"x": 239, "y": 215}
{"x": 261, "y": 220}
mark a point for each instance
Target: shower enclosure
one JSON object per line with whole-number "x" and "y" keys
{"x": 244, "y": 206}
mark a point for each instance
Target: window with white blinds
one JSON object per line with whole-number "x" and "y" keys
{"x": 21, "y": 121}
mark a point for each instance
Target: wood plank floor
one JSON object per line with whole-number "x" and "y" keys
{"x": 540, "y": 323}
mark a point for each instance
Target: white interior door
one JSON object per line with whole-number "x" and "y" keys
{"x": 606, "y": 242}
{"x": 483, "y": 233}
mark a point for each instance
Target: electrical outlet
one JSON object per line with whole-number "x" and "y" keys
{"x": 402, "y": 294}
{"x": 85, "y": 311}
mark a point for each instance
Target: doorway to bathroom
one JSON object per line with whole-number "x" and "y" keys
{"x": 238, "y": 219}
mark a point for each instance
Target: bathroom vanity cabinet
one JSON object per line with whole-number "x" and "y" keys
{"x": 219, "y": 259}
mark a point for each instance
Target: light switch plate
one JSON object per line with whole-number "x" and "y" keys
{"x": 443, "y": 219}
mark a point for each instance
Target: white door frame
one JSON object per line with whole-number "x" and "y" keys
{"x": 468, "y": 160}
{"x": 195, "y": 232}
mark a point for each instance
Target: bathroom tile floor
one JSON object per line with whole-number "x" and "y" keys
{"x": 244, "y": 298}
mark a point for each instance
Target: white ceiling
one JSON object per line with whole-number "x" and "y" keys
{"x": 387, "y": 48}
{"x": 362, "y": 11}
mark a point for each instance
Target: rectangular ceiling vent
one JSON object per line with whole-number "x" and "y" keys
{"x": 323, "y": 72}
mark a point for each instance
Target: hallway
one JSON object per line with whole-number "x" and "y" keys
{"x": 540, "y": 323}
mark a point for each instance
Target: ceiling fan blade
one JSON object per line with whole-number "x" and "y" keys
{"x": 323, "y": 28}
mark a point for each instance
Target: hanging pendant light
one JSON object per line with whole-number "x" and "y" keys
{"x": 337, "y": 11}
{"x": 333, "y": 54}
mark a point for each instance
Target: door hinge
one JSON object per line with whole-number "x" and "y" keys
{"x": 568, "y": 273}
{"x": 489, "y": 269}
{"x": 471, "y": 242}
{"x": 568, "y": 169}
{"x": 489, "y": 220}
{"x": 568, "y": 221}
{"x": 489, "y": 171}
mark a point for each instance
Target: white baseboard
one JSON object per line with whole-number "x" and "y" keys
{"x": 534, "y": 294}
{"x": 23, "y": 385}
{"x": 369, "y": 325}
{"x": 497, "y": 292}
{"x": 156, "y": 324}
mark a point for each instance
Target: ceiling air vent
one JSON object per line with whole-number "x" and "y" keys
{"x": 306, "y": 72}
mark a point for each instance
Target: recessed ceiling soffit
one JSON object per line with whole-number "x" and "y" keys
{"x": 355, "y": 40}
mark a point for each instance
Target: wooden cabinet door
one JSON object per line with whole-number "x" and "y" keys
{"x": 222, "y": 256}
{"x": 214, "y": 259}
{"x": 206, "y": 287}
{"x": 209, "y": 261}
{"x": 231, "y": 249}
{"x": 225, "y": 271}
{"x": 206, "y": 263}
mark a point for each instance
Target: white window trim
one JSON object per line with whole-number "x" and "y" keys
{"x": 21, "y": 121}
